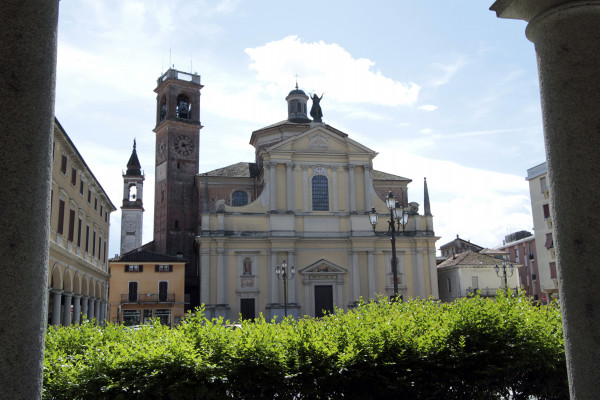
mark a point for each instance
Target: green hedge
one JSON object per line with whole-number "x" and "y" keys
{"x": 471, "y": 349}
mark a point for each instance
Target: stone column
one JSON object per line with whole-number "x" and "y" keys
{"x": 305, "y": 190}
{"x": 28, "y": 65}
{"x": 274, "y": 282}
{"x": 91, "y": 304}
{"x": 273, "y": 184}
{"x": 67, "y": 308}
{"x": 355, "y": 276}
{"x": 97, "y": 310}
{"x": 334, "y": 189}
{"x": 221, "y": 276}
{"x": 289, "y": 184}
{"x": 368, "y": 187}
{"x": 76, "y": 308}
{"x": 56, "y": 308}
{"x": 351, "y": 189}
{"x": 84, "y": 307}
{"x": 566, "y": 38}
{"x": 372, "y": 275}
{"x": 205, "y": 275}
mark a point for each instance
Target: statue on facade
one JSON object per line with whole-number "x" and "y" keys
{"x": 315, "y": 111}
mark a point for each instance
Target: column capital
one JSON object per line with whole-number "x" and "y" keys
{"x": 77, "y": 296}
{"x": 56, "y": 291}
{"x": 525, "y": 10}
{"x": 68, "y": 294}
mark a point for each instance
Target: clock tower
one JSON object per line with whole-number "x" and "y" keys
{"x": 132, "y": 210}
{"x": 177, "y": 156}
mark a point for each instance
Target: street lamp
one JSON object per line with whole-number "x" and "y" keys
{"x": 504, "y": 275}
{"x": 285, "y": 276}
{"x": 398, "y": 216}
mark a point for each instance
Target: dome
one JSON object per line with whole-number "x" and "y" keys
{"x": 297, "y": 91}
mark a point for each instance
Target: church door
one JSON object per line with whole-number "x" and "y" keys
{"x": 247, "y": 308}
{"x": 323, "y": 300}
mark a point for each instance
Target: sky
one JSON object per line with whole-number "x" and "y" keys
{"x": 440, "y": 89}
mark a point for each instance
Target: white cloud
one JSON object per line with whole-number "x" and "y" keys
{"x": 428, "y": 107}
{"x": 480, "y": 205}
{"x": 330, "y": 69}
{"x": 447, "y": 71}
{"x": 426, "y": 131}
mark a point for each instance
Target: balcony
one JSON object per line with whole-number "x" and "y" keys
{"x": 147, "y": 298}
{"x": 483, "y": 292}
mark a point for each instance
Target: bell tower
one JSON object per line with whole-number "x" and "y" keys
{"x": 177, "y": 156}
{"x": 132, "y": 210}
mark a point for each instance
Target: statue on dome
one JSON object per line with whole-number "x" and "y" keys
{"x": 315, "y": 110}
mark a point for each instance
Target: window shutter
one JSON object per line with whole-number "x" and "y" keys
{"x": 170, "y": 268}
{"x": 141, "y": 268}
{"x": 156, "y": 268}
{"x": 127, "y": 268}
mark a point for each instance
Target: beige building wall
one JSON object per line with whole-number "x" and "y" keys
{"x": 147, "y": 301}
{"x": 334, "y": 251}
{"x": 542, "y": 224}
{"x": 78, "y": 274}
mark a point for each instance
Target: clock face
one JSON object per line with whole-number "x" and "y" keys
{"x": 162, "y": 148}
{"x": 184, "y": 145}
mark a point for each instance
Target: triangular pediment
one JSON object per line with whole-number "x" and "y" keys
{"x": 321, "y": 140}
{"x": 323, "y": 267}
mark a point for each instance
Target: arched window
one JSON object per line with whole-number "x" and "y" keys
{"x": 239, "y": 198}
{"x": 163, "y": 108}
{"x": 183, "y": 107}
{"x": 320, "y": 193}
{"x": 132, "y": 192}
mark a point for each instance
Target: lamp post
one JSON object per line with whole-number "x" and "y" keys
{"x": 398, "y": 216}
{"x": 285, "y": 276}
{"x": 504, "y": 275}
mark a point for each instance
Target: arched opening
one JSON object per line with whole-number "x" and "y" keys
{"x": 132, "y": 192}
{"x": 183, "y": 107}
{"x": 163, "y": 108}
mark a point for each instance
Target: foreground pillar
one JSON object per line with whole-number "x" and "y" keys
{"x": 27, "y": 81}
{"x": 566, "y": 35}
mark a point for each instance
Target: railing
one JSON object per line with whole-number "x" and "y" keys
{"x": 484, "y": 292}
{"x": 147, "y": 298}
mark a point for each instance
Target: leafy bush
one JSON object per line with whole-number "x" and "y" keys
{"x": 473, "y": 348}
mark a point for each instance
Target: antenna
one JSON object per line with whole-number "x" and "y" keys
{"x": 169, "y": 52}
{"x": 191, "y": 67}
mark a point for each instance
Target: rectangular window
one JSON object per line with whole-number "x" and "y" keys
{"x": 106, "y": 217}
{"x": 105, "y": 252}
{"x": 164, "y": 316}
{"x": 475, "y": 282}
{"x": 553, "y": 270}
{"x": 81, "y": 183}
{"x": 517, "y": 259}
{"x": 101, "y": 210}
{"x": 61, "y": 217}
{"x": 543, "y": 185}
{"x": 71, "y": 225}
{"x": 134, "y": 268}
{"x": 96, "y": 203}
{"x": 73, "y": 176}
{"x": 89, "y": 196}
{"x": 163, "y": 287}
{"x": 94, "y": 244}
{"x": 546, "y": 208}
{"x": 163, "y": 268}
{"x": 449, "y": 286}
{"x": 131, "y": 317}
{"x": 87, "y": 238}
{"x": 79, "y": 233}
{"x": 147, "y": 316}
{"x": 63, "y": 164}
{"x": 549, "y": 242}
{"x": 99, "y": 246}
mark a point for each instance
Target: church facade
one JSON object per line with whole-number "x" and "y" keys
{"x": 303, "y": 202}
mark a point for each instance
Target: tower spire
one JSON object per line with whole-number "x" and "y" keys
{"x": 426, "y": 199}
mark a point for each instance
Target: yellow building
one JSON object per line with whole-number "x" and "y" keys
{"x": 306, "y": 200}
{"x": 146, "y": 285}
{"x": 79, "y": 226}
